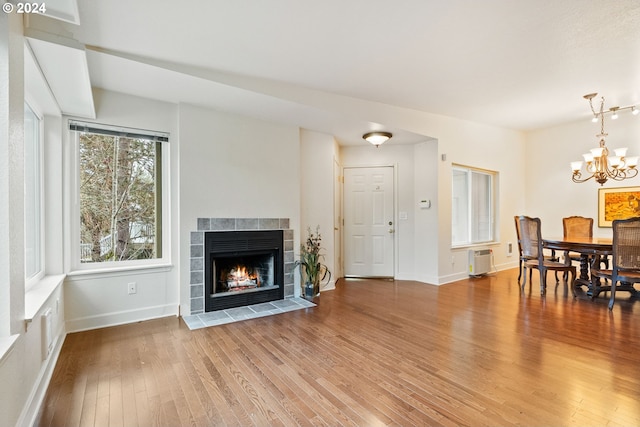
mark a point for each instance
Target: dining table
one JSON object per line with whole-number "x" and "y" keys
{"x": 592, "y": 250}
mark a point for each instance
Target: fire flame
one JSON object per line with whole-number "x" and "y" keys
{"x": 240, "y": 274}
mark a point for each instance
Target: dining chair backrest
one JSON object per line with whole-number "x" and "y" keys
{"x": 531, "y": 237}
{"x": 577, "y": 226}
{"x": 626, "y": 244}
{"x": 517, "y": 221}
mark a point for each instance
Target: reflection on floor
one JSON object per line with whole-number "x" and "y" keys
{"x": 221, "y": 317}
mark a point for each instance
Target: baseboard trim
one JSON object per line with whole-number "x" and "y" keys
{"x": 121, "y": 318}
{"x": 32, "y": 406}
{"x": 329, "y": 286}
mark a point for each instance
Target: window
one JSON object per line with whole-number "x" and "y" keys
{"x": 119, "y": 194}
{"x": 32, "y": 194}
{"x": 472, "y": 206}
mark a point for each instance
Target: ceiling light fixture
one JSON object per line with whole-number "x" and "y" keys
{"x": 614, "y": 110}
{"x": 599, "y": 165}
{"x": 377, "y": 138}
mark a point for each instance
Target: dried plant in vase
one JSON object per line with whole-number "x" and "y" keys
{"x": 312, "y": 270}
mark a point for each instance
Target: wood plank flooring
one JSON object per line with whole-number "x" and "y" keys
{"x": 478, "y": 352}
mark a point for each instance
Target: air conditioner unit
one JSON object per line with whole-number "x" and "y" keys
{"x": 479, "y": 261}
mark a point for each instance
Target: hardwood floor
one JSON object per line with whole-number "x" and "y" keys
{"x": 476, "y": 352}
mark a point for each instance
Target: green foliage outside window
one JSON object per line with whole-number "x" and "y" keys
{"x": 119, "y": 198}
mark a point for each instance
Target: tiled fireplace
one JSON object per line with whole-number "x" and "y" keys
{"x": 240, "y": 261}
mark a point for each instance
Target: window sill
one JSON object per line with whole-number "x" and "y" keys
{"x": 118, "y": 271}
{"x": 6, "y": 345}
{"x": 475, "y": 245}
{"x": 39, "y": 293}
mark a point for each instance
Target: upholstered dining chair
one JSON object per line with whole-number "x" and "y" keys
{"x": 532, "y": 251}
{"x": 522, "y": 258}
{"x": 625, "y": 269}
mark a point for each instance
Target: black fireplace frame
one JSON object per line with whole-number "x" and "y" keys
{"x": 238, "y": 243}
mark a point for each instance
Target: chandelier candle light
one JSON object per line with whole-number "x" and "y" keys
{"x": 599, "y": 165}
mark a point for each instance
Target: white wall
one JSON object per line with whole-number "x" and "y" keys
{"x": 95, "y": 299}
{"x": 23, "y": 367}
{"x": 317, "y": 154}
{"x": 403, "y": 158}
{"x": 234, "y": 167}
{"x": 484, "y": 147}
{"x": 426, "y": 219}
{"x": 463, "y": 142}
{"x": 551, "y": 195}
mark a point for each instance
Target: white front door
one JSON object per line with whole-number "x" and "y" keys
{"x": 369, "y": 227}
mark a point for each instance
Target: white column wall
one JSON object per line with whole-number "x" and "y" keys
{"x": 317, "y": 152}
{"x": 234, "y": 167}
{"x": 426, "y": 219}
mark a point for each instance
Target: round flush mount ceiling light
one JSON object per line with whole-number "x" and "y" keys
{"x": 377, "y": 138}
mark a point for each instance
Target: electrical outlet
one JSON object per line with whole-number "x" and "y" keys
{"x": 132, "y": 288}
{"x": 509, "y": 249}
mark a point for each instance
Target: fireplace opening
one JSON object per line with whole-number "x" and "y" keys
{"x": 243, "y": 268}
{"x": 242, "y": 273}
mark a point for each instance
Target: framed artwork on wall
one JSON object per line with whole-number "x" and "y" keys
{"x": 617, "y": 203}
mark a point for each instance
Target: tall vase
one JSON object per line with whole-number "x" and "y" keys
{"x": 309, "y": 291}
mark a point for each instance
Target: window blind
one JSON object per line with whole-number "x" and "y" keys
{"x": 118, "y": 131}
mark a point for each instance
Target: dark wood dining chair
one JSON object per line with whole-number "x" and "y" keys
{"x": 532, "y": 251}
{"x": 576, "y": 226}
{"x": 625, "y": 269}
{"x": 522, "y": 258}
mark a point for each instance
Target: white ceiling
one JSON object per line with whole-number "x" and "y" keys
{"x": 512, "y": 63}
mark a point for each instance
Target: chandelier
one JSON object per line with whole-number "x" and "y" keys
{"x": 599, "y": 165}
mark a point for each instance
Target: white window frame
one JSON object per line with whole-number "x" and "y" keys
{"x": 492, "y": 203}
{"x": 76, "y": 266}
{"x": 34, "y": 277}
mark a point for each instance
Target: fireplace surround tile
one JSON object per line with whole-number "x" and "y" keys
{"x": 222, "y": 224}
{"x": 197, "y": 291}
{"x": 197, "y": 238}
{"x": 197, "y": 250}
{"x": 203, "y": 224}
{"x": 196, "y": 261}
{"x": 197, "y": 264}
{"x": 269, "y": 224}
{"x": 197, "y": 305}
{"x": 247, "y": 224}
{"x": 196, "y": 277}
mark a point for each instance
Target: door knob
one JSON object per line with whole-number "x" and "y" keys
{"x": 391, "y": 230}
